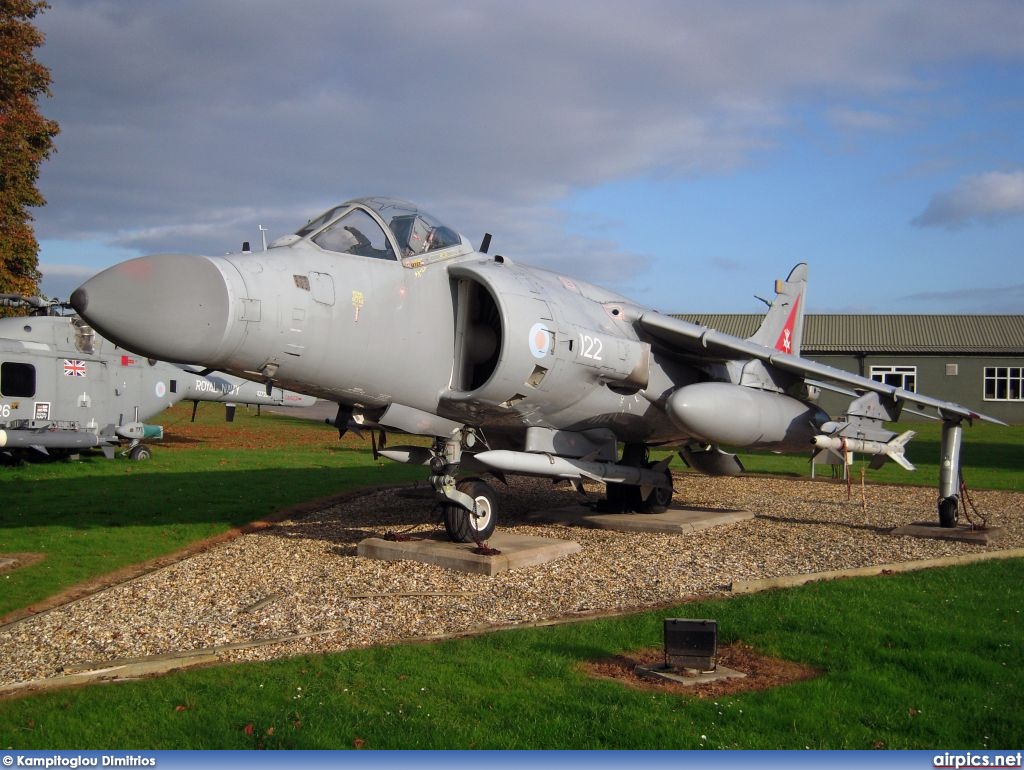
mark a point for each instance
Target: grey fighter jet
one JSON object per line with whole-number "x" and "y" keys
{"x": 385, "y": 310}
{"x": 64, "y": 388}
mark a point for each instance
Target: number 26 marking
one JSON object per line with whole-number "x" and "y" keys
{"x": 591, "y": 347}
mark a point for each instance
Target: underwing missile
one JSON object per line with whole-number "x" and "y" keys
{"x": 893, "y": 449}
{"x": 535, "y": 464}
{"x": 49, "y": 439}
{"x": 410, "y": 455}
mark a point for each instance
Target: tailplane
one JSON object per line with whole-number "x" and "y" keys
{"x": 783, "y": 325}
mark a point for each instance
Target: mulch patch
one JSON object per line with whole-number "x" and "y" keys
{"x": 132, "y": 571}
{"x": 180, "y": 433}
{"x": 763, "y": 672}
{"x": 13, "y": 561}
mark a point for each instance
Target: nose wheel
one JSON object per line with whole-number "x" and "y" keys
{"x": 474, "y": 526}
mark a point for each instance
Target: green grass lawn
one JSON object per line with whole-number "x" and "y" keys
{"x": 992, "y": 458}
{"x": 930, "y": 659}
{"x": 92, "y": 516}
{"x": 919, "y": 660}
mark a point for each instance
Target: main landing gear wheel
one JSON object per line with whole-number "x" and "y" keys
{"x": 949, "y": 512}
{"x": 627, "y": 498}
{"x": 659, "y": 499}
{"x": 463, "y": 526}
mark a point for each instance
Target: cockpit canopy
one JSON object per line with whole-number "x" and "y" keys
{"x": 383, "y": 228}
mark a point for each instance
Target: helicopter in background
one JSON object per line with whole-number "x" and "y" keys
{"x": 64, "y": 388}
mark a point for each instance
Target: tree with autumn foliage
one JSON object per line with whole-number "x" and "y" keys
{"x": 26, "y": 140}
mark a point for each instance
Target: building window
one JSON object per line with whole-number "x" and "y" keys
{"x": 901, "y": 376}
{"x": 1004, "y": 383}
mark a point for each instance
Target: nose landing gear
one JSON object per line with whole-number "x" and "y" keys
{"x": 476, "y": 525}
{"x": 469, "y": 507}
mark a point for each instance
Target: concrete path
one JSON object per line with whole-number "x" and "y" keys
{"x": 675, "y": 521}
{"x": 963, "y": 533}
{"x": 436, "y": 548}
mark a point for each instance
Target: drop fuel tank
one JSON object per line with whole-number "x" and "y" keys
{"x": 738, "y": 416}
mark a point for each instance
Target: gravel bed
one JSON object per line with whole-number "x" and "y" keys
{"x": 300, "y": 577}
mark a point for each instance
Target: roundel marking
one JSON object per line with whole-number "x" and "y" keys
{"x": 161, "y": 389}
{"x": 540, "y": 340}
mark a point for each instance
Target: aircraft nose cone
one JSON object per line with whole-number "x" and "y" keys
{"x": 80, "y": 299}
{"x": 174, "y": 307}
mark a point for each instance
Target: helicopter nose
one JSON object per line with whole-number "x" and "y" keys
{"x": 173, "y": 307}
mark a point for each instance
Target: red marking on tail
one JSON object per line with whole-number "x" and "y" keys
{"x": 785, "y": 340}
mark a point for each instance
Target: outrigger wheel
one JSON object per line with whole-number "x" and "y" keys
{"x": 477, "y": 526}
{"x": 949, "y": 511}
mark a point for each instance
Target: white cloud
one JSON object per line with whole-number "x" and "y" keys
{"x": 59, "y": 280}
{"x": 727, "y": 265}
{"x": 68, "y": 271}
{"x": 995, "y": 300}
{"x": 226, "y": 99}
{"x": 863, "y": 120}
{"x": 988, "y": 198}
{"x": 185, "y": 125}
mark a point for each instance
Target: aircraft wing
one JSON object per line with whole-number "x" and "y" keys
{"x": 690, "y": 338}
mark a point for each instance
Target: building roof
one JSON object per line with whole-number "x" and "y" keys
{"x": 828, "y": 333}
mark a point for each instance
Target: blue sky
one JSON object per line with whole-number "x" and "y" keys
{"x": 683, "y": 153}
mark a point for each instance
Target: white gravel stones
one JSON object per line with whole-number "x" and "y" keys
{"x": 302, "y": 578}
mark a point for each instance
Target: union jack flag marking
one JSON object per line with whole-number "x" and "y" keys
{"x": 74, "y": 368}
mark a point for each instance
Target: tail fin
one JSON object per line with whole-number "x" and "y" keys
{"x": 783, "y": 325}
{"x": 895, "y": 451}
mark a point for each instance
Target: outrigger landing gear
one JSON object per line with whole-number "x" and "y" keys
{"x": 949, "y": 473}
{"x": 469, "y": 506}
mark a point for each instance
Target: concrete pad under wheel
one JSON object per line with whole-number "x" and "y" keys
{"x": 661, "y": 671}
{"x": 677, "y": 520}
{"x": 516, "y": 551}
{"x": 964, "y": 533}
